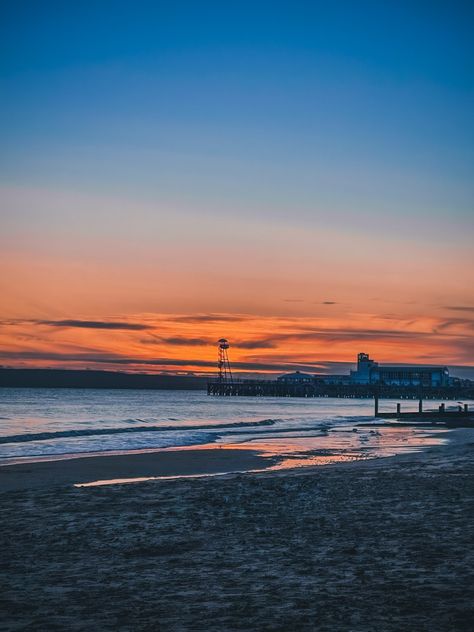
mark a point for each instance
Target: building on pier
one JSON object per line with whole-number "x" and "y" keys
{"x": 371, "y": 372}
{"x": 335, "y": 379}
{"x": 296, "y": 378}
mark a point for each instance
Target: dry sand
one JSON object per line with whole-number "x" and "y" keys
{"x": 383, "y": 545}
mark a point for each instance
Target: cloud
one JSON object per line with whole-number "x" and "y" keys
{"x": 460, "y": 308}
{"x": 255, "y": 344}
{"x": 279, "y": 363}
{"x": 209, "y": 318}
{"x": 94, "y": 324}
{"x": 333, "y": 335}
{"x": 455, "y": 322}
{"x": 188, "y": 342}
{"x": 182, "y": 341}
{"x": 105, "y": 359}
{"x": 329, "y": 303}
{"x": 179, "y": 341}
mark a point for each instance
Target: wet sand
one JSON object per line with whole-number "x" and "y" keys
{"x": 85, "y": 469}
{"x": 383, "y": 545}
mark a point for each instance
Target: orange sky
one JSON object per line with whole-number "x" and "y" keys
{"x": 181, "y": 343}
{"x": 161, "y": 285}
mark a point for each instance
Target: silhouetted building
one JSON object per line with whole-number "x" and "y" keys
{"x": 335, "y": 379}
{"x": 370, "y": 372}
{"x": 296, "y": 378}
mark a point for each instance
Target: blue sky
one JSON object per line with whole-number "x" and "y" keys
{"x": 274, "y": 104}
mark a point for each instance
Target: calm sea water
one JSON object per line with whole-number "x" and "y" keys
{"x": 51, "y": 422}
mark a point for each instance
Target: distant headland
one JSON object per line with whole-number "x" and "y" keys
{"x": 70, "y": 378}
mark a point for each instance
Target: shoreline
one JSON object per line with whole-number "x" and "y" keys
{"x": 82, "y": 469}
{"x": 207, "y": 461}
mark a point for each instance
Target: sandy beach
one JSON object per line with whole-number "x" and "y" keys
{"x": 384, "y": 545}
{"x": 86, "y": 469}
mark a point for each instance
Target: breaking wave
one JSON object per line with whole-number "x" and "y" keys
{"x": 90, "y": 432}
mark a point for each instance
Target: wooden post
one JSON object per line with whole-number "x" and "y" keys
{"x": 398, "y": 409}
{"x": 376, "y": 404}
{"x": 420, "y": 406}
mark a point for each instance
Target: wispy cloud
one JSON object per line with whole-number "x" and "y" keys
{"x": 158, "y": 341}
{"x": 455, "y": 322}
{"x": 187, "y": 342}
{"x": 108, "y": 359}
{"x": 209, "y": 318}
{"x": 460, "y": 308}
{"x": 94, "y": 324}
{"x": 255, "y": 344}
{"x": 183, "y": 341}
{"x": 324, "y": 334}
{"x": 207, "y": 366}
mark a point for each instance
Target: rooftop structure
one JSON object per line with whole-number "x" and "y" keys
{"x": 296, "y": 377}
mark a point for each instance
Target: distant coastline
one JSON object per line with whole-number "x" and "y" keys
{"x": 70, "y": 378}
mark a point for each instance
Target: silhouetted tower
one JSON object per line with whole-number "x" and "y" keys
{"x": 223, "y": 365}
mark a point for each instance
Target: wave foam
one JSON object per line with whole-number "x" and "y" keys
{"x": 91, "y": 432}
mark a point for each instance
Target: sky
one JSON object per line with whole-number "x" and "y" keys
{"x": 293, "y": 176}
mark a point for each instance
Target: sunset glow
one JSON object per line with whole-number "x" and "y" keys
{"x": 265, "y": 344}
{"x": 304, "y": 192}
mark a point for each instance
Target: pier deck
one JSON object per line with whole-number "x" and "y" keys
{"x": 273, "y": 388}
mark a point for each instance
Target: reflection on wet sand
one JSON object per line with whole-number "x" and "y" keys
{"x": 338, "y": 446}
{"x": 141, "y": 479}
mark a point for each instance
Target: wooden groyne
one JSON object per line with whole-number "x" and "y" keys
{"x": 461, "y": 417}
{"x": 451, "y": 418}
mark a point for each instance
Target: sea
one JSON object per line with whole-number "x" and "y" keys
{"x": 50, "y": 424}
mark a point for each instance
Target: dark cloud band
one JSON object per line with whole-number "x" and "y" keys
{"x": 94, "y": 324}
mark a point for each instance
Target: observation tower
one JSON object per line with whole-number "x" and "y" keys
{"x": 223, "y": 365}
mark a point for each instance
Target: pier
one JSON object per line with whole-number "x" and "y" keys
{"x": 370, "y": 381}
{"x": 461, "y": 417}
{"x": 275, "y": 388}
